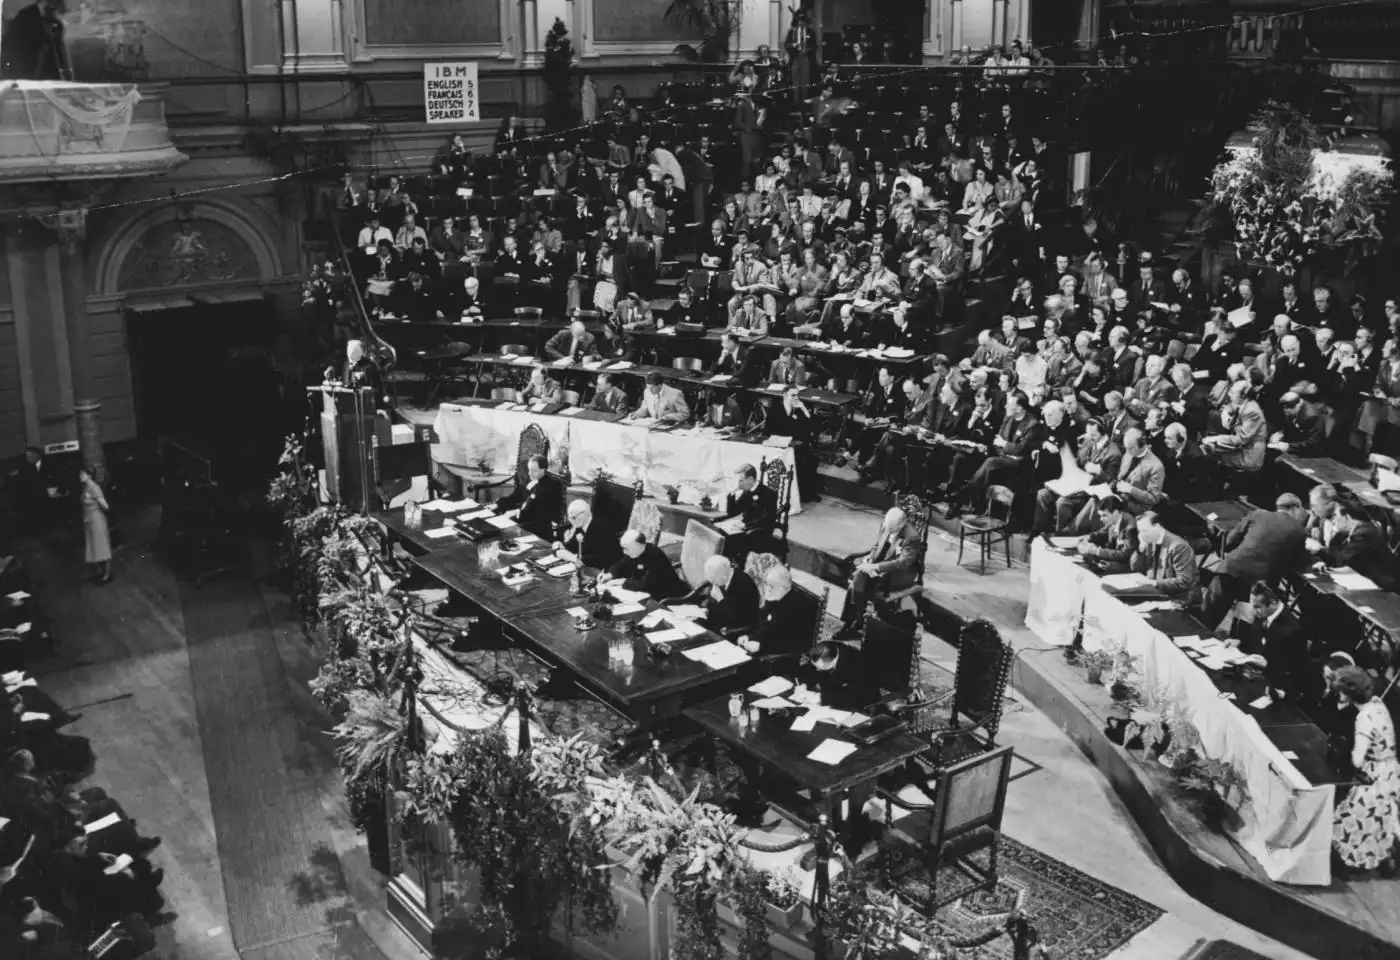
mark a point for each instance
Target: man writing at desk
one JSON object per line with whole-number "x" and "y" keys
{"x": 1278, "y": 637}
{"x": 609, "y": 397}
{"x": 836, "y": 671}
{"x": 755, "y": 508}
{"x": 661, "y": 403}
{"x": 643, "y": 567}
{"x": 536, "y": 506}
{"x": 1166, "y": 560}
{"x": 586, "y": 541}
{"x": 729, "y": 597}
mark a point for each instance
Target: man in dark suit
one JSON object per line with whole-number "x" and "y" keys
{"x": 729, "y": 597}
{"x": 586, "y": 539}
{"x": 573, "y": 344}
{"x": 756, "y": 507}
{"x": 1265, "y": 545}
{"x": 538, "y": 505}
{"x": 1278, "y": 637}
{"x": 886, "y": 404}
{"x": 644, "y": 567}
{"x": 609, "y": 397}
{"x": 360, "y": 370}
{"x": 1358, "y": 543}
{"x": 1021, "y": 434}
{"x": 30, "y": 499}
{"x": 1115, "y": 542}
{"x": 779, "y": 627}
{"x": 34, "y": 45}
{"x": 1304, "y": 432}
{"x": 836, "y": 671}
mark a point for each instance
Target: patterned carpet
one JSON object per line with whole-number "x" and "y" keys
{"x": 1079, "y": 918}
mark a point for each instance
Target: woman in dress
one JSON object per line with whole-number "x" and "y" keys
{"x": 981, "y": 229}
{"x": 978, "y": 192}
{"x": 98, "y": 552}
{"x": 1366, "y": 831}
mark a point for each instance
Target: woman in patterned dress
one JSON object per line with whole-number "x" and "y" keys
{"x": 1367, "y": 822}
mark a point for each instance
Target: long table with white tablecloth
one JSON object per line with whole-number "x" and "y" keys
{"x": 1287, "y": 824}
{"x": 697, "y": 462}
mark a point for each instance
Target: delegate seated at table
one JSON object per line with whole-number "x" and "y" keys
{"x": 1359, "y": 544}
{"x": 541, "y": 387}
{"x": 609, "y": 397}
{"x": 1278, "y": 637}
{"x": 586, "y": 540}
{"x": 1116, "y": 540}
{"x": 1166, "y": 560}
{"x": 644, "y": 567}
{"x": 661, "y": 402}
{"x": 728, "y": 595}
{"x": 574, "y": 344}
{"x": 788, "y": 370}
{"x": 773, "y": 633}
{"x": 536, "y": 506}
{"x": 837, "y": 671}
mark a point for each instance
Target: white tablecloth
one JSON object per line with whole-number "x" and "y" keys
{"x": 696, "y": 462}
{"x": 1287, "y": 825}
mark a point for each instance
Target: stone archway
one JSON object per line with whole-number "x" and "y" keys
{"x": 186, "y": 244}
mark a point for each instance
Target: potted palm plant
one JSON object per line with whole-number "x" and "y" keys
{"x": 715, "y": 20}
{"x": 783, "y": 897}
{"x": 1095, "y": 662}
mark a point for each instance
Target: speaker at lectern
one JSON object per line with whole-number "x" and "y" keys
{"x": 348, "y": 442}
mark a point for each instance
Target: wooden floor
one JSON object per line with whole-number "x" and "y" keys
{"x": 125, "y": 665}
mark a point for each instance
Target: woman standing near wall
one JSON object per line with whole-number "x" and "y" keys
{"x": 98, "y": 549}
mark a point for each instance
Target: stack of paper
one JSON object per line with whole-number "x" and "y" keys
{"x": 1126, "y": 581}
{"x": 563, "y": 570}
{"x": 439, "y": 533}
{"x": 731, "y": 526}
{"x": 623, "y": 609}
{"x": 772, "y": 687}
{"x": 30, "y": 717}
{"x": 652, "y": 619}
{"x": 773, "y": 703}
{"x": 1064, "y": 543}
{"x": 687, "y": 611}
{"x": 501, "y": 522}
{"x": 578, "y": 613}
{"x": 688, "y": 627}
{"x": 1349, "y": 579}
{"x": 571, "y": 411}
{"x": 111, "y": 820}
{"x": 665, "y": 636}
{"x": 478, "y": 515}
{"x": 718, "y": 655}
{"x": 625, "y": 595}
{"x": 832, "y": 752}
{"x": 19, "y": 596}
{"x": 780, "y": 442}
{"x": 805, "y": 723}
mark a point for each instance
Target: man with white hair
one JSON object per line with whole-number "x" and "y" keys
{"x": 890, "y": 564}
{"x": 644, "y": 567}
{"x": 1122, "y": 359}
{"x": 729, "y": 597}
{"x": 1292, "y": 365}
{"x": 779, "y": 628}
{"x": 359, "y": 370}
{"x": 1154, "y": 387}
{"x": 586, "y": 540}
{"x": 571, "y": 345}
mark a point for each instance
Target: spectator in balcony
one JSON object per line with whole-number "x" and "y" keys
{"x": 34, "y": 45}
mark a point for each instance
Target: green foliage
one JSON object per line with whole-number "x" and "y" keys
{"x": 1214, "y": 789}
{"x": 870, "y": 921}
{"x": 750, "y": 892}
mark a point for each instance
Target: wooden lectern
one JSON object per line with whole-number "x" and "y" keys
{"x": 348, "y": 418}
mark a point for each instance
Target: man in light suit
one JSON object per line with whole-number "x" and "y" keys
{"x": 787, "y": 369}
{"x": 661, "y": 402}
{"x": 541, "y": 387}
{"x": 573, "y": 344}
{"x": 1243, "y": 447}
{"x": 1266, "y": 544}
{"x": 1141, "y": 477}
{"x": 890, "y": 564}
{"x": 1166, "y": 560}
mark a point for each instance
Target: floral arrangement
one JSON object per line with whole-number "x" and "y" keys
{"x": 325, "y": 288}
{"x": 1291, "y": 197}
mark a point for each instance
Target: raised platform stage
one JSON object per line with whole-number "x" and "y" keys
{"x": 1358, "y": 919}
{"x": 1352, "y": 918}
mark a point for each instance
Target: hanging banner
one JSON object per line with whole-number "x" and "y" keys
{"x": 451, "y": 93}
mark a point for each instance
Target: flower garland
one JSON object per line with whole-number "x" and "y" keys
{"x": 1291, "y": 198}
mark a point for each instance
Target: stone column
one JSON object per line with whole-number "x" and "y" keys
{"x": 41, "y": 332}
{"x": 313, "y": 36}
{"x": 933, "y": 35}
{"x": 956, "y": 41}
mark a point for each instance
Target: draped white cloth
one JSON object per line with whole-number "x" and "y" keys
{"x": 1287, "y": 825}
{"x": 69, "y": 118}
{"x": 695, "y": 462}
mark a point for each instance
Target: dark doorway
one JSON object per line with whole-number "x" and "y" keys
{"x": 203, "y": 375}
{"x": 1055, "y": 26}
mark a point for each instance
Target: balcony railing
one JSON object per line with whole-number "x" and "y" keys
{"x": 77, "y": 131}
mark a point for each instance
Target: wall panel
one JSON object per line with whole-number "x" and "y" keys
{"x": 431, "y": 22}
{"x": 11, "y": 401}
{"x": 617, "y": 21}
{"x": 111, "y": 369}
